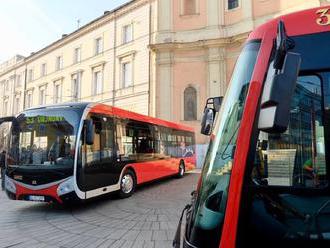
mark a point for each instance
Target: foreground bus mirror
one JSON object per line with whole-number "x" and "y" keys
{"x": 212, "y": 106}
{"x": 217, "y": 101}
{"x": 277, "y": 95}
{"x": 89, "y": 132}
{"x": 207, "y": 121}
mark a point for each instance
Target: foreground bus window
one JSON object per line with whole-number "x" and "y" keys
{"x": 207, "y": 215}
{"x": 287, "y": 200}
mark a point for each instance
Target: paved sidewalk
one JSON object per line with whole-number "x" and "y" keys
{"x": 147, "y": 219}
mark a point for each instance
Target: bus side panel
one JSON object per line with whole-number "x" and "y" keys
{"x": 190, "y": 162}
{"x": 149, "y": 171}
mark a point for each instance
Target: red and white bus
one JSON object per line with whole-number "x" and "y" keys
{"x": 79, "y": 151}
{"x": 266, "y": 176}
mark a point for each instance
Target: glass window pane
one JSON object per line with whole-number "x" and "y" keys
{"x": 297, "y": 157}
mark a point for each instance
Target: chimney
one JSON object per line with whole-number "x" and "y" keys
{"x": 64, "y": 35}
{"x": 106, "y": 12}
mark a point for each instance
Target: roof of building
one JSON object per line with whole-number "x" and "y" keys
{"x": 70, "y": 35}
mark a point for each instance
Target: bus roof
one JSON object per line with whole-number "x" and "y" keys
{"x": 114, "y": 111}
{"x": 103, "y": 108}
{"x": 304, "y": 22}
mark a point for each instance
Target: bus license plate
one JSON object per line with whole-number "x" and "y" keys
{"x": 38, "y": 198}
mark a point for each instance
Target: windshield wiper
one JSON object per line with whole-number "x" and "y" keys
{"x": 310, "y": 219}
{"x": 223, "y": 153}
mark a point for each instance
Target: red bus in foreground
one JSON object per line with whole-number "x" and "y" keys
{"x": 78, "y": 151}
{"x": 265, "y": 180}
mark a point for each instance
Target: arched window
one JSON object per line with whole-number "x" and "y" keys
{"x": 189, "y": 7}
{"x": 190, "y": 104}
{"x": 232, "y": 4}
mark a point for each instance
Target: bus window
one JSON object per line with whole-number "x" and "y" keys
{"x": 290, "y": 172}
{"x": 93, "y": 151}
{"x": 296, "y": 157}
{"x": 163, "y": 141}
{"x": 107, "y": 138}
{"x": 124, "y": 139}
{"x": 102, "y": 148}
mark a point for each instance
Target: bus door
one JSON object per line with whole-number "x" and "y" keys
{"x": 98, "y": 158}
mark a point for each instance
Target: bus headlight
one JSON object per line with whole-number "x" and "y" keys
{"x": 10, "y": 185}
{"x": 65, "y": 187}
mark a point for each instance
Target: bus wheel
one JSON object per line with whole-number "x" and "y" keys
{"x": 127, "y": 184}
{"x": 182, "y": 169}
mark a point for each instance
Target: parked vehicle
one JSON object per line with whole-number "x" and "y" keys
{"x": 78, "y": 151}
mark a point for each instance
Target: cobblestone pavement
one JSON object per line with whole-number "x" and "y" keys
{"x": 147, "y": 219}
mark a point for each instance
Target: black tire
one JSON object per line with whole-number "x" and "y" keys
{"x": 127, "y": 188}
{"x": 182, "y": 169}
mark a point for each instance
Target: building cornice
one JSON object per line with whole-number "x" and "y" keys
{"x": 89, "y": 27}
{"x": 220, "y": 42}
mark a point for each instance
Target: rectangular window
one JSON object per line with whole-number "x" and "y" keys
{"x": 232, "y": 4}
{"x": 75, "y": 87}
{"x": 59, "y": 63}
{"x": 17, "y": 104}
{"x": 97, "y": 82}
{"x": 5, "y": 108}
{"x": 98, "y": 46}
{"x": 77, "y": 55}
{"x": 127, "y": 74}
{"x": 189, "y": 7}
{"x": 30, "y": 75}
{"x": 127, "y": 33}
{"x": 29, "y": 99}
{"x": 43, "y": 69}
{"x": 6, "y": 85}
{"x": 42, "y": 95}
{"x": 57, "y": 93}
{"x": 18, "y": 80}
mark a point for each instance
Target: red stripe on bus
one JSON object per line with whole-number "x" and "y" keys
{"x": 229, "y": 232}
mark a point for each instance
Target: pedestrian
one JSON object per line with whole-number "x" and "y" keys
{"x": 2, "y": 166}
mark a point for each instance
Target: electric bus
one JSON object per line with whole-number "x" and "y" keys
{"x": 77, "y": 151}
{"x": 265, "y": 179}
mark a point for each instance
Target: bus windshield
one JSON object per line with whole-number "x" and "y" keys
{"x": 210, "y": 204}
{"x": 44, "y": 138}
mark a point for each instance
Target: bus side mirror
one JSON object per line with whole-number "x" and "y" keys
{"x": 89, "y": 132}
{"x": 212, "y": 106}
{"x": 217, "y": 101}
{"x": 207, "y": 121}
{"x": 277, "y": 95}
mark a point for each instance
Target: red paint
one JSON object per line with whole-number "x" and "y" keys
{"x": 229, "y": 232}
{"x": 106, "y": 109}
{"x": 299, "y": 23}
{"x": 152, "y": 170}
{"x": 51, "y": 191}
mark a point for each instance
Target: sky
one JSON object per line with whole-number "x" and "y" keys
{"x": 28, "y": 25}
